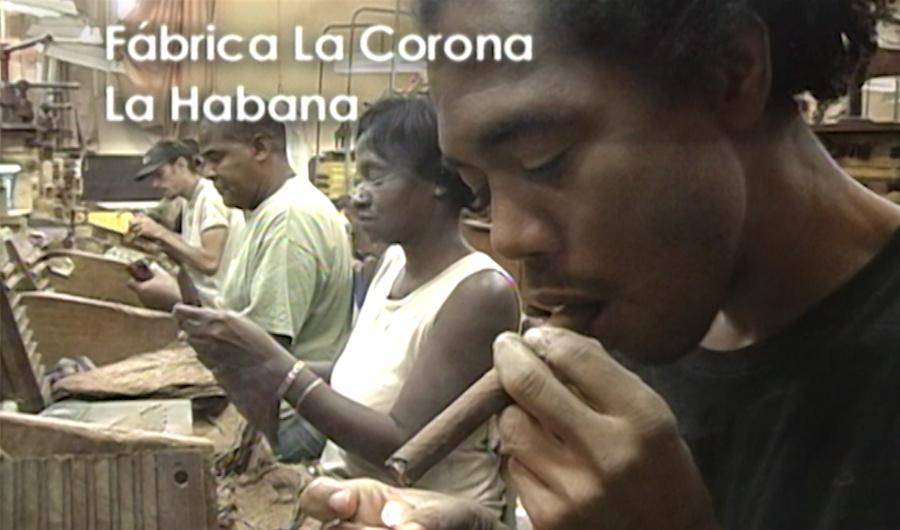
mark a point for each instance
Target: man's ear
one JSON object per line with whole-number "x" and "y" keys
{"x": 262, "y": 147}
{"x": 746, "y": 74}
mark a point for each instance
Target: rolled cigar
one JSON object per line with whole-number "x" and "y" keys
{"x": 448, "y": 429}
{"x": 189, "y": 294}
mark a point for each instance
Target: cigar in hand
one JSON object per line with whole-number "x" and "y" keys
{"x": 448, "y": 429}
{"x": 189, "y": 294}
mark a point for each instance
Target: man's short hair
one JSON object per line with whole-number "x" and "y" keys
{"x": 246, "y": 132}
{"x": 816, "y": 45}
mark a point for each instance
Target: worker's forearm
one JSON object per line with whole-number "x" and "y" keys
{"x": 321, "y": 369}
{"x": 198, "y": 258}
{"x": 363, "y": 432}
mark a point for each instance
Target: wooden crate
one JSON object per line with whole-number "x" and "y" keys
{"x": 58, "y": 474}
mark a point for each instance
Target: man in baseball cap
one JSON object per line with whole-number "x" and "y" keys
{"x": 207, "y": 227}
{"x": 163, "y": 152}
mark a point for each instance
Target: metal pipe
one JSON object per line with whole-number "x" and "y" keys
{"x": 375, "y": 10}
{"x": 354, "y": 23}
{"x": 28, "y": 43}
{"x": 897, "y": 99}
{"x": 394, "y": 48}
{"x": 56, "y": 85}
{"x": 329, "y": 28}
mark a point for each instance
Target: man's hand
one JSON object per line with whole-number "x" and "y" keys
{"x": 367, "y": 504}
{"x": 143, "y": 226}
{"x": 159, "y": 292}
{"x": 245, "y": 359}
{"x": 589, "y": 445}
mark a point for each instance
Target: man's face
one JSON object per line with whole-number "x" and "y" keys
{"x": 625, "y": 212}
{"x": 231, "y": 166}
{"x": 164, "y": 180}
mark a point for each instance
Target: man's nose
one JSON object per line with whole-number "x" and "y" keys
{"x": 521, "y": 231}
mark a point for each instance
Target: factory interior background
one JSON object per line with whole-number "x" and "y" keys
{"x": 83, "y": 356}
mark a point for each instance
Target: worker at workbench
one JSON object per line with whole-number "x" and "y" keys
{"x": 423, "y": 335}
{"x": 668, "y": 203}
{"x": 292, "y": 273}
{"x": 209, "y": 229}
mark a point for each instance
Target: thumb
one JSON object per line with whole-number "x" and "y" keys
{"x": 395, "y": 513}
{"x": 326, "y": 499}
{"x": 343, "y": 502}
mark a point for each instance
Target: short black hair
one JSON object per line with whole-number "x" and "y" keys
{"x": 816, "y": 45}
{"x": 404, "y": 131}
{"x": 245, "y": 132}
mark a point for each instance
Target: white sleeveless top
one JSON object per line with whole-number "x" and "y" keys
{"x": 383, "y": 346}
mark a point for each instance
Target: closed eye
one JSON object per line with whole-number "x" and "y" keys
{"x": 546, "y": 170}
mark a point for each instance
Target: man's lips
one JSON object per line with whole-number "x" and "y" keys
{"x": 567, "y": 309}
{"x": 550, "y": 300}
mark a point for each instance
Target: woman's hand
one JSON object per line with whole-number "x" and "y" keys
{"x": 247, "y": 361}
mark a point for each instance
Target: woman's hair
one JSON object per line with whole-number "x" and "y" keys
{"x": 404, "y": 132}
{"x": 816, "y": 45}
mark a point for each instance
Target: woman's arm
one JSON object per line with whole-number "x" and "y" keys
{"x": 457, "y": 352}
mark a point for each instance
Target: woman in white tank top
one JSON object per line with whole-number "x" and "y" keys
{"x": 425, "y": 331}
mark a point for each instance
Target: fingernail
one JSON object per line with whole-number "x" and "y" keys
{"x": 507, "y": 336}
{"x": 339, "y": 500}
{"x": 536, "y": 339}
{"x": 534, "y": 335}
{"x": 392, "y": 514}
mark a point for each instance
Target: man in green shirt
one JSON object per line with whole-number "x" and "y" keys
{"x": 292, "y": 271}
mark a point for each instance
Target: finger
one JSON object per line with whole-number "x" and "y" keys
{"x": 534, "y": 387}
{"x": 539, "y": 501}
{"x": 195, "y": 329}
{"x": 395, "y": 512}
{"x": 524, "y": 440}
{"x": 327, "y": 499}
{"x": 187, "y": 312}
{"x": 584, "y": 363}
{"x": 452, "y": 514}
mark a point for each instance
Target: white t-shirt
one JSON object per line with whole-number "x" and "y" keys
{"x": 383, "y": 347}
{"x": 206, "y": 210}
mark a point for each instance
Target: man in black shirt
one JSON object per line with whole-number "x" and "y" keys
{"x": 652, "y": 173}
{"x": 802, "y": 429}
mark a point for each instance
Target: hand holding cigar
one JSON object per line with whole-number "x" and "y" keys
{"x": 445, "y": 432}
{"x": 586, "y": 440}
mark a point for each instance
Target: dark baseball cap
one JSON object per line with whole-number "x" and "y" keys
{"x": 161, "y": 153}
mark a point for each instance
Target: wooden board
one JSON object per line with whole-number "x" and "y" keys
{"x": 106, "y": 332}
{"x": 20, "y": 366}
{"x": 95, "y": 277}
{"x": 69, "y": 475}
